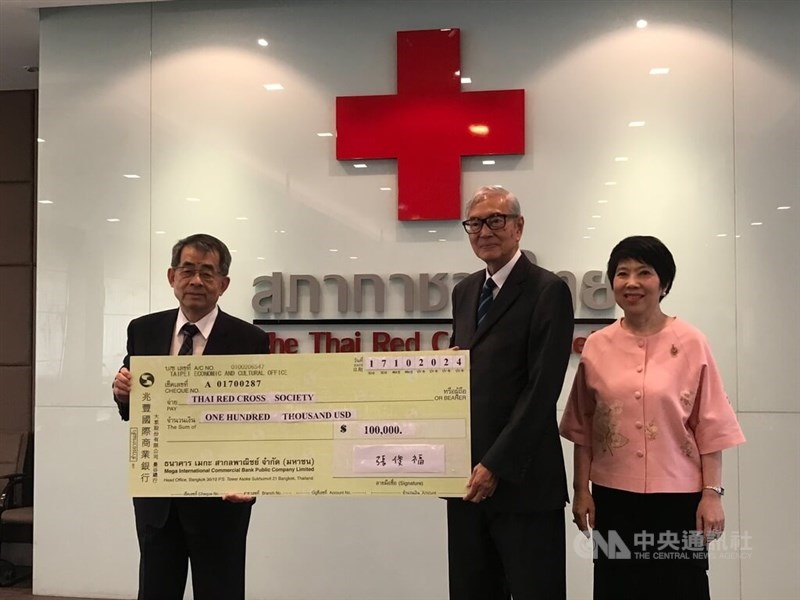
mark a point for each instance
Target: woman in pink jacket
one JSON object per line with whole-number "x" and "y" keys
{"x": 649, "y": 419}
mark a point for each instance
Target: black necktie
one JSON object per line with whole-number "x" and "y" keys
{"x": 485, "y": 303}
{"x": 188, "y": 330}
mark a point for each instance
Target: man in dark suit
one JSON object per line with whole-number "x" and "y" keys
{"x": 211, "y": 532}
{"x": 506, "y": 536}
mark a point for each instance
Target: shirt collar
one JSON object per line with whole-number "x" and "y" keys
{"x": 502, "y": 274}
{"x": 204, "y": 325}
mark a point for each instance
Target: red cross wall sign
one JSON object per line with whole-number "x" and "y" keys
{"x": 430, "y": 124}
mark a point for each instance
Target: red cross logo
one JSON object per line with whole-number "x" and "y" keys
{"x": 430, "y": 124}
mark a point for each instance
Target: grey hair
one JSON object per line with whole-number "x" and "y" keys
{"x": 204, "y": 243}
{"x": 486, "y": 191}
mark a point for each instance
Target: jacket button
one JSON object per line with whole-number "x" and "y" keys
{"x": 639, "y": 453}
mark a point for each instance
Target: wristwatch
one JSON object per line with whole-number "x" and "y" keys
{"x": 717, "y": 488}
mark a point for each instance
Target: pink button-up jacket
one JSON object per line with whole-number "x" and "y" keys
{"x": 649, "y": 407}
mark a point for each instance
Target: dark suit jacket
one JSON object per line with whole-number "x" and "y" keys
{"x": 151, "y": 335}
{"x": 518, "y": 359}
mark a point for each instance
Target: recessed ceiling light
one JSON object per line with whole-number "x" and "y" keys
{"x": 431, "y": 231}
{"x": 282, "y": 231}
{"x": 466, "y": 80}
{"x": 359, "y": 166}
{"x": 353, "y": 258}
{"x": 591, "y": 228}
{"x": 610, "y": 183}
{"x": 602, "y": 201}
{"x": 479, "y": 129}
{"x": 620, "y": 159}
{"x": 273, "y": 87}
{"x": 595, "y": 216}
{"x": 112, "y": 220}
{"x": 722, "y": 235}
{"x": 659, "y": 71}
{"x": 784, "y": 207}
{"x": 263, "y": 43}
{"x": 325, "y": 134}
{"x": 587, "y": 237}
{"x": 193, "y": 199}
{"x": 41, "y": 140}
{"x": 385, "y": 189}
{"x": 641, "y": 23}
{"x": 241, "y": 218}
{"x": 132, "y": 176}
{"x": 159, "y": 232}
{"x": 756, "y": 223}
{"x": 488, "y": 162}
{"x": 442, "y": 240}
{"x": 45, "y": 201}
{"x": 260, "y": 258}
{"x": 234, "y": 251}
{"x": 636, "y": 124}
{"x": 738, "y": 236}
{"x": 333, "y": 249}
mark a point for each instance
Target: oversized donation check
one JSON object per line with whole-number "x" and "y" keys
{"x": 322, "y": 424}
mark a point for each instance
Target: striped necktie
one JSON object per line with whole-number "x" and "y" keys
{"x": 485, "y": 303}
{"x": 188, "y": 330}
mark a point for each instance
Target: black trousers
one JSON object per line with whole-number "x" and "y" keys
{"x": 496, "y": 555}
{"x": 663, "y": 560}
{"x": 209, "y": 532}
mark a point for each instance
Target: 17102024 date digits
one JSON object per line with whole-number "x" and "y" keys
{"x": 437, "y": 361}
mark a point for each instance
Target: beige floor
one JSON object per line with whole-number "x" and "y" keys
{"x": 23, "y": 590}
{"x": 18, "y": 593}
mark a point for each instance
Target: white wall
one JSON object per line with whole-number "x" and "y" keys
{"x": 174, "y": 93}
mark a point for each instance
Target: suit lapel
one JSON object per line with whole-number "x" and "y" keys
{"x": 469, "y": 310}
{"x": 506, "y": 297}
{"x": 216, "y": 343}
{"x": 161, "y": 338}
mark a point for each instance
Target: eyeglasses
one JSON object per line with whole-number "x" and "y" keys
{"x": 493, "y": 222}
{"x": 207, "y": 274}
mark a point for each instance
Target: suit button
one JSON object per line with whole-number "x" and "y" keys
{"x": 639, "y": 425}
{"x": 639, "y": 453}
{"x": 639, "y": 369}
{"x": 641, "y": 343}
{"x": 637, "y": 395}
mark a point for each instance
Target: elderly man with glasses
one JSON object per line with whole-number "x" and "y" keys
{"x": 209, "y": 532}
{"x": 506, "y": 536}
